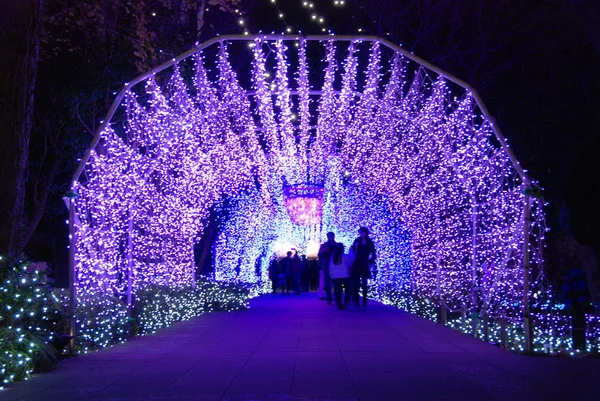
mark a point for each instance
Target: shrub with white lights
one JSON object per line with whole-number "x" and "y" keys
{"x": 159, "y": 307}
{"x": 28, "y": 320}
{"x": 34, "y": 317}
{"x": 101, "y": 319}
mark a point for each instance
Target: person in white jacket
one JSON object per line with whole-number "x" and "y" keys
{"x": 340, "y": 275}
{"x": 330, "y": 253}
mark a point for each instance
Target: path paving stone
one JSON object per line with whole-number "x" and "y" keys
{"x": 297, "y": 348}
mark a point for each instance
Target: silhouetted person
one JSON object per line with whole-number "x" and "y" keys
{"x": 330, "y": 252}
{"x": 304, "y": 274}
{"x": 314, "y": 274}
{"x": 296, "y": 272}
{"x": 274, "y": 273}
{"x": 285, "y": 273}
{"x": 361, "y": 268}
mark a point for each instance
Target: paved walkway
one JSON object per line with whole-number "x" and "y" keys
{"x": 298, "y": 348}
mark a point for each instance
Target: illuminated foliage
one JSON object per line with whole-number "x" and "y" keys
{"x": 395, "y": 147}
{"x": 34, "y": 316}
{"x": 160, "y": 307}
{"x": 27, "y": 322}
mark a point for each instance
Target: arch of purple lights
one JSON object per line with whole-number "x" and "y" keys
{"x": 395, "y": 144}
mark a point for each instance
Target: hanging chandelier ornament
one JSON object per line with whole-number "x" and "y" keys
{"x": 304, "y": 203}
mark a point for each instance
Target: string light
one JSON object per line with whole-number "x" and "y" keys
{"x": 160, "y": 307}
{"x": 314, "y": 16}
{"x": 101, "y": 319}
{"x": 304, "y": 204}
{"x": 27, "y": 321}
{"x": 404, "y": 154}
{"x": 236, "y": 12}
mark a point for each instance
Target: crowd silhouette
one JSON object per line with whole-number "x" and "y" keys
{"x": 339, "y": 274}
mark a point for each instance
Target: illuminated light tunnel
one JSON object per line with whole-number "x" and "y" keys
{"x": 289, "y": 138}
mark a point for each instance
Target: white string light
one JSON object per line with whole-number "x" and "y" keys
{"x": 446, "y": 204}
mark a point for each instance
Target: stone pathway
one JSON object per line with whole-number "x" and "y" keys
{"x": 298, "y": 348}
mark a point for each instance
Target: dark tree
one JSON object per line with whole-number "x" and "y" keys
{"x": 20, "y": 22}
{"x": 79, "y": 53}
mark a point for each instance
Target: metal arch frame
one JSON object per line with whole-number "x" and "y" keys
{"x": 273, "y": 37}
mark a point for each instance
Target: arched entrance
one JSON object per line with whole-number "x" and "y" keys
{"x": 378, "y": 136}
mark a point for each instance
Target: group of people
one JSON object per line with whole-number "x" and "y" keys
{"x": 294, "y": 273}
{"x": 348, "y": 273}
{"x": 340, "y": 275}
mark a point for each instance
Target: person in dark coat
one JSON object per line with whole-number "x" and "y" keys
{"x": 314, "y": 274}
{"x": 296, "y": 272}
{"x": 285, "y": 273}
{"x": 304, "y": 274}
{"x": 274, "y": 273}
{"x": 330, "y": 252}
{"x": 361, "y": 268}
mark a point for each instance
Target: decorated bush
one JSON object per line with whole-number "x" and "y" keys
{"x": 34, "y": 317}
{"x": 160, "y": 306}
{"x": 100, "y": 320}
{"x": 28, "y": 320}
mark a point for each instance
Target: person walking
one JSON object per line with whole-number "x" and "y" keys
{"x": 361, "y": 268}
{"x": 340, "y": 275}
{"x": 285, "y": 273}
{"x": 274, "y": 272}
{"x": 296, "y": 271}
{"x": 321, "y": 286}
{"x": 330, "y": 253}
{"x": 313, "y": 274}
{"x": 304, "y": 274}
